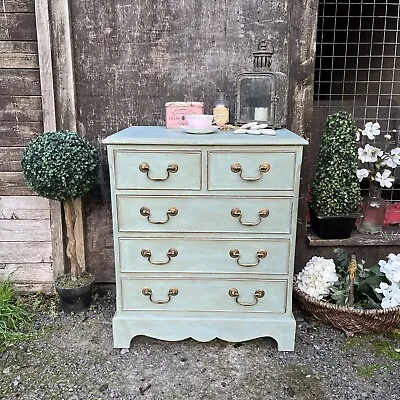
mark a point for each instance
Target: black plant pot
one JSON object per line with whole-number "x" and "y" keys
{"x": 76, "y": 299}
{"x": 332, "y": 227}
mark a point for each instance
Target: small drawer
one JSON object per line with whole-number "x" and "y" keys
{"x": 157, "y": 170}
{"x": 200, "y": 214}
{"x": 190, "y": 255}
{"x": 251, "y": 171}
{"x": 176, "y": 294}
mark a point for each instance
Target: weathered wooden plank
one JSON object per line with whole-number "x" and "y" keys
{"x": 24, "y": 203}
{"x": 45, "y": 64}
{"x": 17, "y": 26}
{"x": 19, "y": 82}
{"x": 13, "y": 6}
{"x": 18, "y": 60}
{"x": 18, "y": 46}
{"x": 13, "y": 184}
{"x": 10, "y": 159}
{"x": 21, "y": 108}
{"x": 15, "y": 230}
{"x": 26, "y": 288}
{"x": 61, "y": 50}
{"x": 18, "y": 54}
{"x": 18, "y": 134}
{"x": 30, "y": 252}
{"x": 303, "y": 28}
{"x": 9, "y": 213}
{"x": 24, "y": 208}
{"x": 28, "y": 273}
{"x": 49, "y": 123}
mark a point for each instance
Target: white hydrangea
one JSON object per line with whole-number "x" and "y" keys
{"x": 317, "y": 277}
{"x": 391, "y": 267}
{"x": 391, "y": 294}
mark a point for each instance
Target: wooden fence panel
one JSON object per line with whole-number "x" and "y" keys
{"x": 18, "y": 134}
{"x": 21, "y": 108}
{"x": 10, "y": 159}
{"x": 18, "y": 6}
{"x": 18, "y": 54}
{"x": 19, "y": 82}
{"x": 13, "y": 184}
{"x": 17, "y": 26}
{"x": 24, "y": 208}
{"x": 25, "y": 240}
{"x": 30, "y": 252}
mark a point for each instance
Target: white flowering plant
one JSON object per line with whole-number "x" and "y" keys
{"x": 374, "y": 287}
{"x": 379, "y": 163}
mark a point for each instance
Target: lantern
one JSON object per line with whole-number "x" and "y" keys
{"x": 262, "y": 94}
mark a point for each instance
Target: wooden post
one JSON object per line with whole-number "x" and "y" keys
{"x": 302, "y": 43}
{"x": 58, "y": 57}
{"x": 49, "y": 124}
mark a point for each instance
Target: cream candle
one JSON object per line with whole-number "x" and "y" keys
{"x": 261, "y": 114}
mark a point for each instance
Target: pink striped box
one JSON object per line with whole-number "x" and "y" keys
{"x": 175, "y": 112}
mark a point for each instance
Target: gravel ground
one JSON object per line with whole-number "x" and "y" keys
{"x": 74, "y": 359}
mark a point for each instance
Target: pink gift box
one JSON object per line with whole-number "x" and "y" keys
{"x": 175, "y": 112}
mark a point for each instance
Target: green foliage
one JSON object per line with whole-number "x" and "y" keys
{"x": 15, "y": 320}
{"x": 365, "y": 283}
{"x": 386, "y": 349}
{"x": 60, "y": 165}
{"x": 368, "y": 370}
{"x": 335, "y": 187}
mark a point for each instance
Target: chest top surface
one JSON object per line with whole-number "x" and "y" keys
{"x": 161, "y": 135}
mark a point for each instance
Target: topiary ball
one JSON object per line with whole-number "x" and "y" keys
{"x": 60, "y": 165}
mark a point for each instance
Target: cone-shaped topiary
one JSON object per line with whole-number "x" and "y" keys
{"x": 62, "y": 166}
{"x": 335, "y": 187}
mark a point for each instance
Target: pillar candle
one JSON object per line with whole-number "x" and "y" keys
{"x": 261, "y": 114}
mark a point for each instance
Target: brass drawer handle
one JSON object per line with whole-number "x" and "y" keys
{"x": 263, "y": 168}
{"x": 237, "y": 213}
{"x": 172, "y": 212}
{"x": 146, "y": 253}
{"x": 258, "y": 294}
{"x": 145, "y": 168}
{"x": 149, "y": 292}
{"x": 234, "y": 253}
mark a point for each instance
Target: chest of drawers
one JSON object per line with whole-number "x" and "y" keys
{"x": 204, "y": 234}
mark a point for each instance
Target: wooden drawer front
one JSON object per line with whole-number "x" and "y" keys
{"x": 280, "y": 175}
{"x": 204, "y": 295}
{"x": 196, "y": 214}
{"x": 157, "y": 175}
{"x": 177, "y": 255}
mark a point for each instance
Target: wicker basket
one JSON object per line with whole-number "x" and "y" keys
{"x": 348, "y": 319}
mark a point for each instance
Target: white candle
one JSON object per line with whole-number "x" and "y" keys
{"x": 261, "y": 114}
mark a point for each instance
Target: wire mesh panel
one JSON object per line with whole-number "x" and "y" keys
{"x": 358, "y": 67}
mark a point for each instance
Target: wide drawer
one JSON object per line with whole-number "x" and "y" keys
{"x": 200, "y": 214}
{"x": 157, "y": 170}
{"x": 204, "y": 295}
{"x": 267, "y": 170}
{"x": 188, "y": 255}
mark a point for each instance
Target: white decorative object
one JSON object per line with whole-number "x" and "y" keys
{"x": 204, "y": 234}
{"x": 261, "y": 114}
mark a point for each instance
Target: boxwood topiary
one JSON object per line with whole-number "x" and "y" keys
{"x": 335, "y": 187}
{"x": 62, "y": 166}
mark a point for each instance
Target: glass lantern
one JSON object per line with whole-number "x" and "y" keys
{"x": 262, "y": 94}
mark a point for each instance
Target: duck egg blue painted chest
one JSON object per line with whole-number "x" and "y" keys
{"x": 204, "y": 234}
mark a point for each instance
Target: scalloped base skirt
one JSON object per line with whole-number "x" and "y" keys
{"x": 282, "y": 328}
